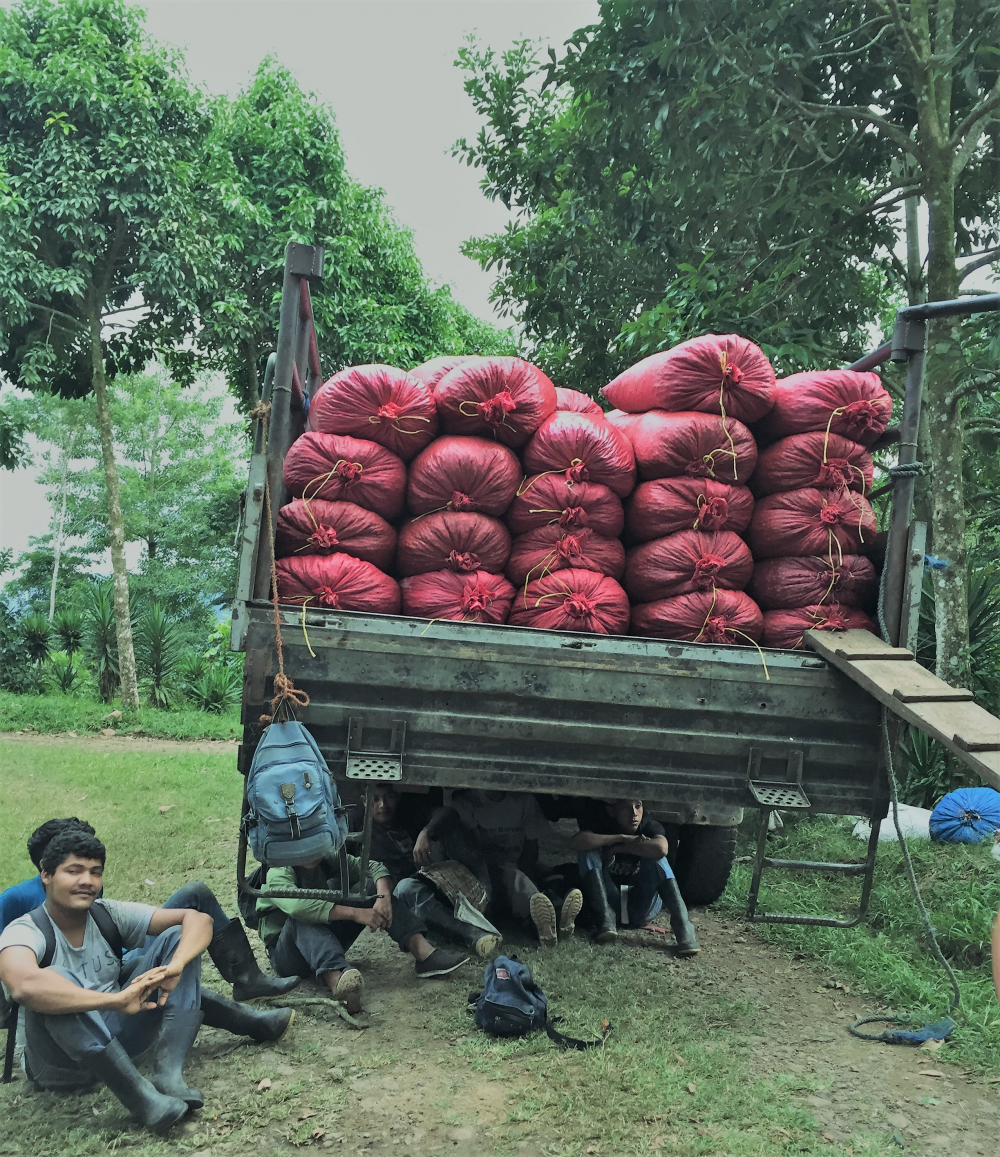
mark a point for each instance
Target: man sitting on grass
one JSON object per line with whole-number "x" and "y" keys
{"x": 229, "y": 949}
{"x": 311, "y": 937}
{"x": 620, "y": 848}
{"x": 87, "y": 1013}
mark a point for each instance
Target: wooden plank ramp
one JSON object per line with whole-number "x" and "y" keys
{"x": 945, "y": 713}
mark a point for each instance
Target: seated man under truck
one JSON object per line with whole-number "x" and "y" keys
{"x": 624, "y": 874}
{"x": 402, "y": 823}
{"x": 229, "y": 948}
{"x": 87, "y": 1013}
{"x": 311, "y": 937}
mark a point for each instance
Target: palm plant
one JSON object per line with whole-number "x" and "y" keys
{"x": 101, "y": 638}
{"x": 68, "y": 626}
{"x": 189, "y": 670}
{"x": 37, "y": 633}
{"x": 62, "y": 672}
{"x": 217, "y": 689}
{"x": 158, "y": 652}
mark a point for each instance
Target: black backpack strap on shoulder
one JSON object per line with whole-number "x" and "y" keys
{"x": 108, "y": 929}
{"x": 570, "y": 1042}
{"x": 43, "y": 922}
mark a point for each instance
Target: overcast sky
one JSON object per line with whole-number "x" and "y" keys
{"x": 386, "y": 69}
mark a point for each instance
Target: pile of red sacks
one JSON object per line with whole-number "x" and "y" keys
{"x": 473, "y": 489}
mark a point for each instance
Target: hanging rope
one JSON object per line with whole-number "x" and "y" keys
{"x": 286, "y": 695}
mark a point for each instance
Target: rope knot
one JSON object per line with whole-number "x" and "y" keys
{"x": 349, "y": 471}
{"x": 714, "y": 630}
{"x": 463, "y": 560}
{"x": 579, "y": 606}
{"x": 496, "y": 408}
{"x": 730, "y": 371}
{"x": 834, "y": 472}
{"x": 261, "y": 412}
{"x": 574, "y": 516}
{"x": 834, "y": 621}
{"x": 569, "y": 548}
{"x": 460, "y": 501}
{"x": 324, "y": 536}
{"x": 476, "y": 597}
{"x": 712, "y": 514}
{"x": 390, "y": 412}
{"x": 577, "y": 471}
{"x": 328, "y": 597}
{"x": 831, "y": 514}
{"x": 701, "y": 467}
{"x": 862, "y": 415}
{"x": 706, "y": 569}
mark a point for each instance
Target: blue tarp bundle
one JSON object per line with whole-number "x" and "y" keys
{"x": 966, "y": 816}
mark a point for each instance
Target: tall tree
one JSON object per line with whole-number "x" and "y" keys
{"x": 278, "y": 169}
{"x": 100, "y": 141}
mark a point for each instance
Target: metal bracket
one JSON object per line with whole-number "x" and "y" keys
{"x": 375, "y": 765}
{"x": 771, "y": 793}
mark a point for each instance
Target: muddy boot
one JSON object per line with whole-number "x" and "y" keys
{"x": 568, "y": 913}
{"x": 150, "y": 1108}
{"x": 680, "y": 922}
{"x": 243, "y": 1021}
{"x": 595, "y": 904}
{"x": 176, "y": 1036}
{"x": 233, "y": 957}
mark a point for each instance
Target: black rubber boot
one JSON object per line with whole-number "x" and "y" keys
{"x": 174, "y": 1041}
{"x": 243, "y": 1021}
{"x": 233, "y": 957}
{"x": 150, "y": 1108}
{"x": 597, "y": 908}
{"x": 680, "y": 922}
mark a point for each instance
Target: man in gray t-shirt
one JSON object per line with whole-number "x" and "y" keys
{"x": 86, "y": 1013}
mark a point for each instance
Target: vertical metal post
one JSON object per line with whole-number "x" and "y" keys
{"x": 907, "y": 346}
{"x": 758, "y": 862}
{"x": 913, "y": 586}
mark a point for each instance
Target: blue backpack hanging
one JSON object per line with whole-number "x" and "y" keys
{"x": 966, "y": 816}
{"x": 293, "y": 812}
{"x": 511, "y": 1004}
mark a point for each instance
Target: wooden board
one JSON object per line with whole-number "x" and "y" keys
{"x": 917, "y": 696}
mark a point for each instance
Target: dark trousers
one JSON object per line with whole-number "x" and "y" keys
{"x": 304, "y": 949}
{"x": 643, "y": 898}
{"x": 428, "y": 906}
{"x": 201, "y": 898}
{"x": 57, "y": 1045}
{"x": 504, "y": 882}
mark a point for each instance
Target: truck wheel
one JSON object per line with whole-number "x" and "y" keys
{"x": 704, "y": 860}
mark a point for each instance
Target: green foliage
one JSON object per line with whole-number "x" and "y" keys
{"x": 68, "y": 627}
{"x": 35, "y": 574}
{"x": 190, "y": 668}
{"x": 278, "y": 169}
{"x": 55, "y": 713}
{"x": 37, "y": 632}
{"x": 158, "y": 649}
{"x": 62, "y": 672}
{"x": 101, "y": 639}
{"x": 928, "y": 772}
{"x": 17, "y": 672}
{"x": 217, "y": 689}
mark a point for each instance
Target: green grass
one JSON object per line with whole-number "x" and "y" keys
{"x": 59, "y": 713}
{"x": 887, "y": 956}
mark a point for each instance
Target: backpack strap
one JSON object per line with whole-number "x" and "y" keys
{"x": 43, "y": 922}
{"x": 102, "y": 918}
{"x": 570, "y": 1042}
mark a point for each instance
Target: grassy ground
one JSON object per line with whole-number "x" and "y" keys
{"x": 887, "y": 955}
{"x": 59, "y": 713}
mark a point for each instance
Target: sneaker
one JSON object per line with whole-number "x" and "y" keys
{"x": 440, "y": 963}
{"x": 543, "y": 916}
{"x": 568, "y": 913}
{"x": 487, "y": 946}
{"x": 350, "y": 990}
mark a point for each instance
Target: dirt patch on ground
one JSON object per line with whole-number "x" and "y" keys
{"x": 118, "y": 741}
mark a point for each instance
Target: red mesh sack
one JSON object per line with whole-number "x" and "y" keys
{"x": 825, "y": 461}
{"x": 572, "y": 600}
{"x": 344, "y": 469}
{"x": 477, "y": 597}
{"x": 319, "y": 527}
{"x": 431, "y": 372}
{"x": 810, "y": 521}
{"x": 380, "y": 403}
{"x": 696, "y": 445}
{"x": 584, "y": 449}
{"x": 502, "y": 398}
{"x": 463, "y": 474}
{"x": 805, "y": 581}
{"x": 784, "y": 628}
{"x": 551, "y": 499}
{"x": 690, "y": 560}
{"x": 338, "y": 581}
{"x": 450, "y": 541}
{"x": 726, "y": 375}
{"x": 701, "y": 617}
{"x": 844, "y": 402}
{"x": 549, "y": 548}
{"x": 578, "y": 402}
{"x": 668, "y": 505}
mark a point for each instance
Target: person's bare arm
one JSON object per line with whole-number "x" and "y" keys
{"x": 996, "y": 954}
{"x": 45, "y": 990}
{"x": 197, "y": 931}
{"x": 589, "y": 841}
{"x": 645, "y": 847}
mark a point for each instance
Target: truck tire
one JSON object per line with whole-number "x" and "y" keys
{"x": 704, "y": 860}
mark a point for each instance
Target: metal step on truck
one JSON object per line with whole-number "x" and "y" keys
{"x": 699, "y": 732}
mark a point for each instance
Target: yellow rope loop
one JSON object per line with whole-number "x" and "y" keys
{"x": 527, "y": 482}
{"x": 725, "y": 428}
{"x": 826, "y": 436}
{"x": 305, "y": 633}
{"x": 546, "y": 571}
{"x": 429, "y": 625}
{"x": 767, "y": 674}
{"x": 715, "y": 595}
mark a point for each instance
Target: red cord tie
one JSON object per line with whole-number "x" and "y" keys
{"x": 349, "y": 471}
{"x": 495, "y": 409}
{"x": 476, "y": 597}
{"x": 714, "y": 630}
{"x": 706, "y": 569}
{"x": 835, "y": 472}
{"x": 328, "y": 597}
{"x": 862, "y": 415}
{"x": 463, "y": 560}
{"x": 390, "y": 411}
{"x": 577, "y": 471}
{"x": 831, "y": 514}
{"x": 700, "y": 468}
{"x": 325, "y": 536}
{"x": 733, "y": 372}
{"x": 714, "y": 514}
{"x": 574, "y": 516}
{"x": 579, "y": 606}
{"x": 834, "y": 622}
{"x": 569, "y": 548}
{"x": 460, "y": 501}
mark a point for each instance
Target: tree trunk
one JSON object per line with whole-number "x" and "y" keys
{"x": 57, "y": 545}
{"x": 942, "y": 375}
{"x": 116, "y": 526}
